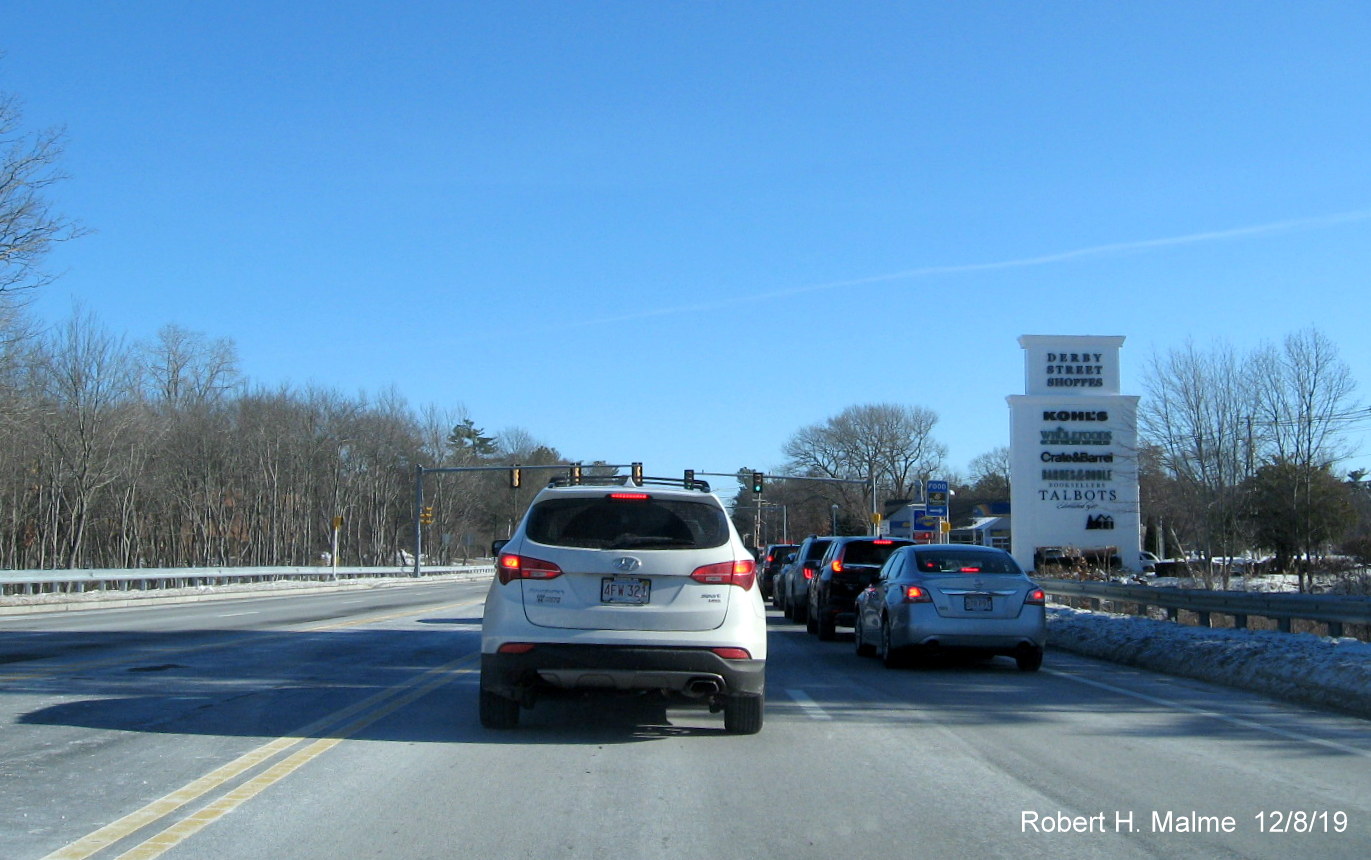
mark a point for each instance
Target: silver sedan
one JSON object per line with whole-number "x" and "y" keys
{"x": 945, "y": 597}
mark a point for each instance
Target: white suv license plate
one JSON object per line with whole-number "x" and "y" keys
{"x": 979, "y": 603}
{"x": 623, "y": 589}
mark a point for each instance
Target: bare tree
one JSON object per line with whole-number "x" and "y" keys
{"x": 1196, "y": 412}
{"x": 1307, "y": 396}
{"x": 28, "y": 226}
{"x": 1216, "y": 419}
{"x": 183, "y": 368}
{"x": 990, "y": 473}
{"x": 889, "y": 444}
{"x": 1300, "y": 418}
{"x": 87, "y": 382}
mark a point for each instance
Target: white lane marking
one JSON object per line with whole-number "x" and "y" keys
{"x": 1202, "y": 712}
{"x": 808, "y": 705}
{"x": 236, "y": 614}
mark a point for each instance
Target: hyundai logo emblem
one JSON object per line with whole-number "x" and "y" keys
{"x": 627, "y": 564}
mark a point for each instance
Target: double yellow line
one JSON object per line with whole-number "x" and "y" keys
{"x": 338, "y": 726}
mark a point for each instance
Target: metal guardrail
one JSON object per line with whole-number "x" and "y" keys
{"x": 30, "y": 582}
{"x": 1331, "y": 610}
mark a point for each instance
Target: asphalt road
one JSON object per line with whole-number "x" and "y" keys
{"x": 343, "y": 725}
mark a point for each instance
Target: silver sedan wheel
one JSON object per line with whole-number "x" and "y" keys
{"x": 889, "y": 658}
{"x": 864, "y": 648}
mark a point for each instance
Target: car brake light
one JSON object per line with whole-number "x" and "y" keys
{"x": 971, "y": 570}
{"x": 512, "y": 567}
{"x": 916, "y": 594}
{"x": 740, "y": 573}
{"x": 809, "y": 572}
{"x": 733, "y": 653}
{"x": 1036, "y": 597}
{"x": 630, "y": 497}
{"x": 882, "y": 542}
{"x": 837, "y": 565}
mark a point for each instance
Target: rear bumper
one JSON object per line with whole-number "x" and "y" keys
{"x": 1000, "y": 636}
{"x": 987, "y": 644}
{"x": 838, "y": 604}
{"x": 843, "y": 614}
{"x": 614, "y": 667}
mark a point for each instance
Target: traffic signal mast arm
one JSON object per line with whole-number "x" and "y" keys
{"x": 862, "y": 481}
{"x": 424, "y": 516}
{"x": 759, "y": 478}
{"x": 765, "y": 477}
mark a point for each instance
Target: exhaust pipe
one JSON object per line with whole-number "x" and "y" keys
{"x": 700, "y": 687}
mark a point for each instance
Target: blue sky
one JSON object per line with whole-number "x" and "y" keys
{"x": 677, "y": 232}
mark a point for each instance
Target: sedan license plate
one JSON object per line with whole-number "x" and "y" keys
{"x": 979, "y": 603}
{"x": 623, "y": 589}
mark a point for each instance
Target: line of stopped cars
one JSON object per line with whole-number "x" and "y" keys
{"x": 642, "y": 586}
{"x": 906, "y": 600}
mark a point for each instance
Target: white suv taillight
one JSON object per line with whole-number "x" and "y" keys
{"x": 512, "y": 567}
{"x": 740, "y": 573}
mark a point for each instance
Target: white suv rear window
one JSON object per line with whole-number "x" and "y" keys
{"x": 640, "y": 522}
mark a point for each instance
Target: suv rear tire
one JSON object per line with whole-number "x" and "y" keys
{"x": 827, "y": 626}
{"x": 743, "y": 714}
{"x": 498, "y": 712}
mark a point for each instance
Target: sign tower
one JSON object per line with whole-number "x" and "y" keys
{"x": 1074, "y": 454}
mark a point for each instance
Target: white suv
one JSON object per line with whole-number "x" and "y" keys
{"x": 625, "y": 586}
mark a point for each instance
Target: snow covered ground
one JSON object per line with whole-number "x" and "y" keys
{"x": 1315, "y": 670}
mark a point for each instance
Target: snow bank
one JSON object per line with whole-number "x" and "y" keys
{"x": 1315, "y": 670}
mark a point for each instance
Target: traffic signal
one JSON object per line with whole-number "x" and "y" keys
{"x": 637, "y": 469}
{"x": 426, "y": 515}
{"x": 515, "y": 477}
{"x": 575, "y": 473}
{"x": 689, "y": 477}
{"x": 758, "y": 482}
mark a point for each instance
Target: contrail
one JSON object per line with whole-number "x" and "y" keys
{"x": 1110, "y": 250}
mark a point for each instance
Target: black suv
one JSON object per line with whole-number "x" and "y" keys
{"x": 794, "y": 579}
{"x": 770, "y": 563}
{"x": 847, "y": 568}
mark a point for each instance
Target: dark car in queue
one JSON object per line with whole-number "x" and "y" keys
{"x": 940, "y": 598}
{"x": 795, "y": 577}
{"x": 773, "y": 558}
{"x": 848, "y": 566}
